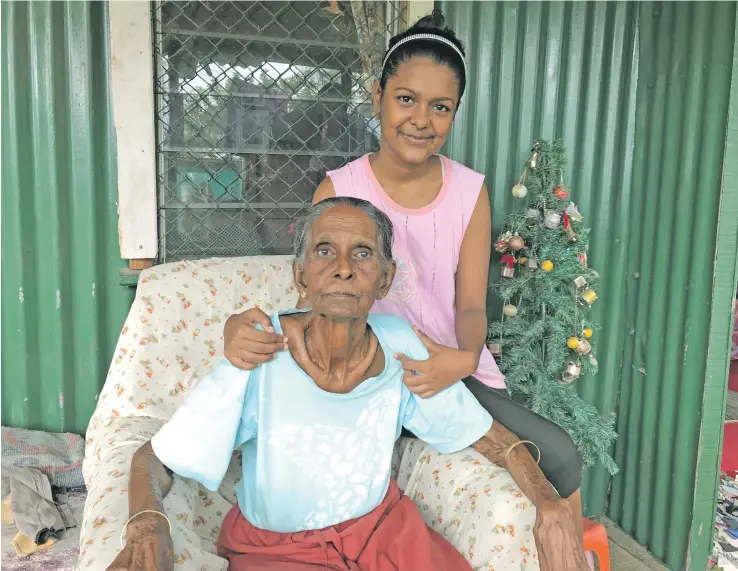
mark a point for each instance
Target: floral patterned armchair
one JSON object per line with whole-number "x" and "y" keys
{"x": 172, "y": 337}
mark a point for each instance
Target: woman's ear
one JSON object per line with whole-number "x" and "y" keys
{"x": 298, "y": 276}
{"x": 386, "y": 285}
{"x": 376, "y": 98}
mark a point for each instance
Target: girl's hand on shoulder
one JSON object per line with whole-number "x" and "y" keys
{"x": 246, "y": 347}
{"x": 443, "y": 368}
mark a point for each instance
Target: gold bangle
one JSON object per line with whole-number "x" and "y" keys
{"x": 510, "y": 449}
{"x": 130, "y": 519}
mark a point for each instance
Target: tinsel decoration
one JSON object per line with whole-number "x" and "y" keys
{"x": 553, "y": 306}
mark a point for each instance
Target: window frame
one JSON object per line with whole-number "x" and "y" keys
{"x": 132, "y": 98}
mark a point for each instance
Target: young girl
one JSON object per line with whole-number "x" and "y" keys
{"x": 442, "y": 223}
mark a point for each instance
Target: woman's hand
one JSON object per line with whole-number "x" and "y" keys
{"x": 555, "y": 533}
{"x": 245, "y": 346}
{"x": 148, "y": 546}
{"x": 442, "y": 369}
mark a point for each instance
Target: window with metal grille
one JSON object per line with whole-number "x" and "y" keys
{"x": 255, "y": 101}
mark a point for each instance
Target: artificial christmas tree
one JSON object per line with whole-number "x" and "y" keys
{"x": 545, "y": 340}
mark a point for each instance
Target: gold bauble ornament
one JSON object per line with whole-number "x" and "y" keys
{"x": 587, "y": 332}
{"x": 572, "y": 343}
{"x": 547, "y": 266}
{"x": 584, "y": 347}
{"x": 522, "y": 260}
{"x": 520, "y": 190}
{"x": 510, "y": 310}
{"x": 589, "y": 296}
{"x": 516, "y": 243}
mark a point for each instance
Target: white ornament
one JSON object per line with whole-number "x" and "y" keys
{"x": 510, "y": 310}
{"x": 519, "y": 191}
{"x": 551, "y": 219}
{"x": 573, "y": 212}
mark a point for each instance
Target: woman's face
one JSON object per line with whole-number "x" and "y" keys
{"x": 342, "y": 272}
{"x": 416, "y": 108}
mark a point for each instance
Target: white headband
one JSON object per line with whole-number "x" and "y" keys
{"x": 430, "y": 37}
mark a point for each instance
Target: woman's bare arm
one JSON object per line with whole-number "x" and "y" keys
{"x": 472, "y": 277}
{"x": 148, "y": 540}
{"x": 149, "y": 481}
{"x": 560, "y": 546}
{"x": 524, "y": 470}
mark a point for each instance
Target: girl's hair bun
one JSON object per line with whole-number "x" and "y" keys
{"x": 433, "y": 21}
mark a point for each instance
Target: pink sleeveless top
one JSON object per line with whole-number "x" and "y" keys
{"x": 427, "y": 242}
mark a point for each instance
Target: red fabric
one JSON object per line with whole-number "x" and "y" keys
{"x": 392, "y": 537}
{"x": 729, "y": 461}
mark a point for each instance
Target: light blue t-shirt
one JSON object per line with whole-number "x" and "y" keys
{"x": 311, "y": 458}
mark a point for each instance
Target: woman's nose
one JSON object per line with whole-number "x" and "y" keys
{"x": 419, "y": 118}
{"x": 343, "y": 269}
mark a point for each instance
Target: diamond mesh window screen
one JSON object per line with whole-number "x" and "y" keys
{"x": 255, "y": 101}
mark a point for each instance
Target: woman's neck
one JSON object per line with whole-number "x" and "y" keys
{"x": 387, "y": 165}
{"x": 337, "y": 353}
{"x": 333, "y": 342}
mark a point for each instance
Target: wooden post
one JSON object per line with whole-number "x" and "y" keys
{"x": 140, "y": 264}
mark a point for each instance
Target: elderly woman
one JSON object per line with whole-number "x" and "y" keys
{"x": 318, "y": 425}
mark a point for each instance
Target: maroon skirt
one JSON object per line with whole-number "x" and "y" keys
{"x": 392, "y": 537}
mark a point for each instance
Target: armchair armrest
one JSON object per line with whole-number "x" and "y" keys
{"x": 110, "y": 446}
{"x": 473, "y": 503}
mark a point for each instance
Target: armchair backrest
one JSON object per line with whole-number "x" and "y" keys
{"x": 174, "y": 332}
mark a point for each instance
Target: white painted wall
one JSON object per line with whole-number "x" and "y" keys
{"x": 416, "y": 9}
{"x": 133, "y": 115}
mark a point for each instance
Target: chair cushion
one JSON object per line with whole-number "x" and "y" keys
{"x": 174, "y": 332}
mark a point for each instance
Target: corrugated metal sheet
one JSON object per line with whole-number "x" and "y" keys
{"x": 559, "y": 70}
{"x": 638, "y": 92}
{"x": 62, "y": 307}
{"x": 683, "y": 96}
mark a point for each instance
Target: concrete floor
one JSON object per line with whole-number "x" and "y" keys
{"x": 626, "y": 554}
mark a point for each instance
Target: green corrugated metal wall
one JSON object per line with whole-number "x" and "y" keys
{"x": 637, "y": 91}
{"x": 683, "y": 95}
{"x": 639, "y": 94}
{"x": 62, "y": 307}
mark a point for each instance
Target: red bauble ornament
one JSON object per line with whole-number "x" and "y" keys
{"x": 561, "y": 192}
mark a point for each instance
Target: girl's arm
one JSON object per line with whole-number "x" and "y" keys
{"x": 325, "y": 190}
{"x": 471, "y": 281}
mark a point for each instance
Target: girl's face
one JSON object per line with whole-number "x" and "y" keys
{"x": 416, "y": 108}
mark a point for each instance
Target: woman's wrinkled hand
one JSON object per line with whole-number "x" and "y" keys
{"x": 148, "y": 547}
{"x": 555, "y": 533}
{"x": 443, "y": 368}
{"x": 245, "y": 346}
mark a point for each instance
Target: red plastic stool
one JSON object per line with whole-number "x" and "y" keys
{"x": 595, "y": 540}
